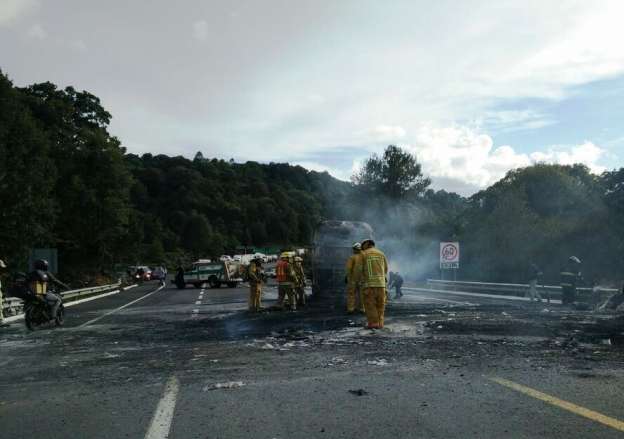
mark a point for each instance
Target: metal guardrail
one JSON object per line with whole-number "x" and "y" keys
{"x": 554, "y": 292}
{"x": 12, "y": 305}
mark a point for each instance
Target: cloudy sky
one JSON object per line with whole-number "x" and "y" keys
{"x": 473, "y": 88}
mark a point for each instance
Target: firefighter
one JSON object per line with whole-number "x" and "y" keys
{"x": 255, "y": 284}
{"x": 396, "y": 281}
{"x": 373, "y": 271}
{"x": 352, "y": 270}
{"x": 285, "y": 282}
{"x": 570, "y": 276}
{"x": 301, "y": 282}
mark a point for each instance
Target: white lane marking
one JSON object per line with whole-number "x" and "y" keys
{"x": 130, "y": 287}
{"x": 163, "y": 416}
{"x": 120, "y": 308}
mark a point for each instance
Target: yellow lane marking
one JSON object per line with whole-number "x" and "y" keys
{"x": 576, "y": 409}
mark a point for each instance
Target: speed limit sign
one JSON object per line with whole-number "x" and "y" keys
{"x": 449, "y": 255}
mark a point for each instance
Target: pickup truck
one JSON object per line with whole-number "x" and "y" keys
{"x": 213, "y": 273}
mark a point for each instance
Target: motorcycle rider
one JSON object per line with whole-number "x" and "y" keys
{"x": 38, "y": 281}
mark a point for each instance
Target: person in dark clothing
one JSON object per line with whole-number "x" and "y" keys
{"x": 534, "y": 274}
{"x": 179, "y": 278}
{"x": 570, "y": 276}
{"x": 38, "y": 283}
{"x": 396, "y": 281}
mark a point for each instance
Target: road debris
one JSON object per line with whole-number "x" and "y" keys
{"x": 358, "y": 392}
{"x": 378, "y": 362}
{"x": 226, "y": 385}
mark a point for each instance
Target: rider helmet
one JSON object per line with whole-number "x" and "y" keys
{"x": 41, "y": 264}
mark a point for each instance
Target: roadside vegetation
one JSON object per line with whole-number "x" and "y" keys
{"x": 66, "y": 183}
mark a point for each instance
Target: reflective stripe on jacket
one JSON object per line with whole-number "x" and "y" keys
{"x": 284, "y": 273}
{"x": 374, "y": 268}
{"x": 568, "y": 278}
{"x": 254, "y": 273}
{"x": 300, "y": 274}
{"x": 280, "y": 270}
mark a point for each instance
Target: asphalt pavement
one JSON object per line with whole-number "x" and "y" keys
{"x": 155, "y": 363}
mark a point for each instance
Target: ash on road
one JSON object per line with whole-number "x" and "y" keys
{"x": 194, "y": 364}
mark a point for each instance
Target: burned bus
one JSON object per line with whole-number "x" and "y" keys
{"x": 332, "y": 246}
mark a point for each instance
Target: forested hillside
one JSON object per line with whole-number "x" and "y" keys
{"x": 66, "y": 183}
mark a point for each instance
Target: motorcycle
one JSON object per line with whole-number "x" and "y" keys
{"x": 38, "y": 312}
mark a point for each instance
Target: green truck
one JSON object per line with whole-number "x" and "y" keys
{"x": 212, "y": 273}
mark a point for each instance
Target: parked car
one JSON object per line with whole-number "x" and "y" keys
{"x": 237, "y": 258}
{"x": 143, "y": 272}
{"x": 159, "y": 273}
{"x": 213, "y": 273}
{"x": 270, "y": 272}
{"x": 225, "y": 258}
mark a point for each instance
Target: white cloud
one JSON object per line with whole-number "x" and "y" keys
{"x": 37, "y": 32}
{"x": 469, "y": 158}
{"x": 516, "y": 120}
{"x": 463, "y": 154}
{"x": 200, "y": 30}
{"x": 586, "y": 153}
{"x": 387, "y": 133}
{"x": 78, "y": 45}
{"x": 11, "y": 10}
{"x": 290, "y": 82}
{"x": 319, "y": 167}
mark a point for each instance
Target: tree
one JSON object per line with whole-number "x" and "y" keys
{"x": 397, "y": 175}
{"x": 27, "y": 174}
{"x": 197, "y": 235}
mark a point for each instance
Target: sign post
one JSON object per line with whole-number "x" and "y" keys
{"x": 449, "y": 258}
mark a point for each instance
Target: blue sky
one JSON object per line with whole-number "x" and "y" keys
{"x": 473, "y": 88}
{"x": 591, "y": 111}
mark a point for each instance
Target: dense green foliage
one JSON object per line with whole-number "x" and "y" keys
{"x": 66, "y": 183}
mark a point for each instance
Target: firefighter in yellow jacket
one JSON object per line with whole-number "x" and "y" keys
{"x": 300, "y": 282}
{"x": 352, "y": 279}
{"x": 255, "y": 284}
{"x": 286, "y": 278}
{"x": 374, "y": 272}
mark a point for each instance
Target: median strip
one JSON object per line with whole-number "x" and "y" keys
{"x": 576, "y": 409}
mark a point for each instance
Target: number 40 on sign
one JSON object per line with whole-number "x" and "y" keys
{"x": 449, "y": 255}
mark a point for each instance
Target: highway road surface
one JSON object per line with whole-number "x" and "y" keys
{"x": 181, "y": 364}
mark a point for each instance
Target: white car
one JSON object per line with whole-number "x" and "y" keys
{"x": 237, "y": 258}
{"x": 225, "y": 258}
{"x": 261, "y": 256}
